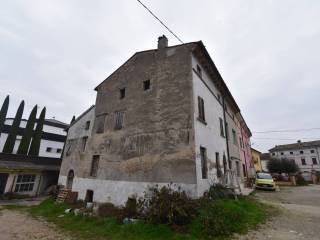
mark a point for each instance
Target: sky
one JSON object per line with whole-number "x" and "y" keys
{"x": 55, "y": 52}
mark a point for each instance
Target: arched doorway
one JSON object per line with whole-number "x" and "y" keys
{"x": 70, "y": 179}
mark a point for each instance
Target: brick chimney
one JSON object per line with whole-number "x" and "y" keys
{"x": 162, "y": 42}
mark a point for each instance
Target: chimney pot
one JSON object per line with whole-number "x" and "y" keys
{"x": 162, "y": 42}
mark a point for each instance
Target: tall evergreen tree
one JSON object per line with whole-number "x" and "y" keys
{"x": 73, "y": 119}
{"x": 3, "y": 112}
{"x": 36, "y": 140}
{"x": 28, "y": 132}
{"x": 11, "y": 139}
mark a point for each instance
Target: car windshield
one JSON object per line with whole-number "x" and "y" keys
{"x": 264, "y": 176}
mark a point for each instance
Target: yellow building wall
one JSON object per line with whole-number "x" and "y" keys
{"x": 256, "y": 160}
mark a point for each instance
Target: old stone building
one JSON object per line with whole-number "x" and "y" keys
{"x": 164, "y": 116}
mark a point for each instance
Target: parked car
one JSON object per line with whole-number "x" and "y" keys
{"x": 265, "y": 181}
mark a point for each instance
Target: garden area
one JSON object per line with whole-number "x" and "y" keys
{"x": 163, "y": 213}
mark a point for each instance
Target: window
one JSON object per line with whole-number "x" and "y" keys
{"x": 59, "y": 150}
{"x": 199, "y": 70}
{"x": 282, "y": 153}
{"x": 227, "y": 130}
{"x": 89, "y": 196}
{"x": 273, "y": 154}
{"x": 219, "y": 172}
{"x": 240, "y": 140}
{"x": 94, "y": 165}
{"x": 234, "y": 136}
{"x": 100, "y": 123}
{"x": 49, "y": 149}
{"x": 204, "y": 169}
{"x": 303, "y": 161}
{"x": 119, "y": 120}
{"x": 25, "y": 183}
{"x": 291, "y": 153}
{"x": 221, "y": 127}
{"x": 301, "y": 152}
{"x": 84, "y": 143}
{"x": 238, "y": 168}
{"x": 146, "y": 85}
{"x": 314, "y": 161}
{"x": 87, "y": 125}
{"x": 201, "y": 116}
{"x": 312, "y": 151}
{"x": 122, "y": 93}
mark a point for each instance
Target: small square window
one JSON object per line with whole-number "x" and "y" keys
{"x": 282, "y": 153}
{"x": 59, "y": 150}
{"x": 49, "y": 149}
{"x": 312, "y": 151}
{"x": 291, "y": 153}
{"x": 301, "y": 152}
{"x": 146, "y": 85}
{"x": 122, "y": 93}
{"x": 303, "y": 161}
{"x": 273, "y": 154}
{"x": 314, "y": 161}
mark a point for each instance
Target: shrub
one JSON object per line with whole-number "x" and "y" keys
{"x": 301, "y": 181}
{"x": 167, "y": 206}
{"x": 130, "y": 209}
{"x": 218, "y": 191}
{"x": 225, "y": 217}
{"x": 109, "y": 210}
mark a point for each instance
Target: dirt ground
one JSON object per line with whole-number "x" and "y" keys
{"x": 15, "y": 225}
{"x": 299, "y": 218}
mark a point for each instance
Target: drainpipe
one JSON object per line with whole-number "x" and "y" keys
{"x": 225, "y": 130}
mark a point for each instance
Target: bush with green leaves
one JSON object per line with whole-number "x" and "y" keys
{"x": 166, "y": 205}
{"x": 282, "y": 166}
{"x": 218, "y": 191}
{"x": 222, "y": 218}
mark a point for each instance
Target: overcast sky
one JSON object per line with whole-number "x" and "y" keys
{"x": 54, "y": 52}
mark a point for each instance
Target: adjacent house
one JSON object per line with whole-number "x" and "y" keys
{"x": 264, "y": 159}
{"x": 164, "y": 116}
{"x": 32, "y": 175}
{"x": 256, "y": 159}
{"x": 305, "y": 154}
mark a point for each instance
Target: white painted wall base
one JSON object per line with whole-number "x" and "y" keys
{"x": 117, "y": 192}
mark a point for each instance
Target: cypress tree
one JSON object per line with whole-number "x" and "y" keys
{"x": 28, "y": 132}
{"x": 73, "y": 119}
{"x": 3, "y": 112}
{"x": 36, "y": 140}
{"x": 11, "y": 139}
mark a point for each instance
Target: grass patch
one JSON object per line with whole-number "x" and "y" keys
{"x": 215, "y": 220}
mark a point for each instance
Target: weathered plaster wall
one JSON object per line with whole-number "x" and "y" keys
{"x": 74, "y": 157}
{"x": 208, "y": 135}
{"x": 156, "y": 141}
{"x": 117, "y": 192}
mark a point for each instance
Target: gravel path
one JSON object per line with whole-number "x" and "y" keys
{"x": 299, "y": 218}
{"x": 15, "y": 225}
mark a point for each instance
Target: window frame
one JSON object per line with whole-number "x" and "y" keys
{"x": 87, "y": 125}
{"x": 314, "y": 161}
{"x": 204, "y": 163}
{"x": 119, "y": 119}
{"x": 201, "y": 110}
{"x": 22, "y": 185}
{"x": 303, "y": 161}
{"x": 222, "y": 132}
{"x": 94, "y": 165}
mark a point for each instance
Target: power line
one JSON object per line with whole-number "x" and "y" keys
{"x": 283, "y": 138}
{"x": 289, "y": 130}
{"x": 162, "y": 23}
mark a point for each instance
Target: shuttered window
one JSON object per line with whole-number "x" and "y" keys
{"x": 201, "y": 109}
